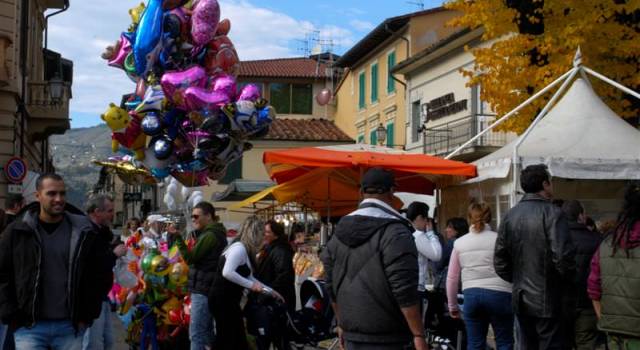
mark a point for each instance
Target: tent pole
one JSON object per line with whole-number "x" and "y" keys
{"x": 574, "y": 71}
{"x": 612, "y": 82}
{"x": 509, "y": 115}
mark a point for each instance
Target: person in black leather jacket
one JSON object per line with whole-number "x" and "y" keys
{"x": 534, "y": 251}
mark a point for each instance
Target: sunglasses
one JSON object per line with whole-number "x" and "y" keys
{"x": 195, "y": 217}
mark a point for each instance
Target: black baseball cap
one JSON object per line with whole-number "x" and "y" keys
{"x": 377, "y": 180}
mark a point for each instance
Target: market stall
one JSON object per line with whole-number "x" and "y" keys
{"x": 589, "y": 150}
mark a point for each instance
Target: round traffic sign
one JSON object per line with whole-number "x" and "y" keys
{"x": 15, "y": 170}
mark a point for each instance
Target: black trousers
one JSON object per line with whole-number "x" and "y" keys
{"x": 230, "y": 331}
{"x": 268, "y": 323}
{"x": 541, "y": 333}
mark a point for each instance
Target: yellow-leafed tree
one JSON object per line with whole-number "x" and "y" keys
{"x": 536, "y": 43}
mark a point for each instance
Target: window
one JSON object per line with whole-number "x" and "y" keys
{"x": 374, "y": 83}
{"x": 361, "y": 79}
{"x": 234, "y": 172}
{"x": 361, "y": 138}
{"x": 373, "y": 136}
{"x": 302, "y": 99}
{"x": 391, "y": 62}
{"x": 292, "y": 98}
{"x": 390, "y": 133}
{"x": 280, "y": 97}
{"x": 415, "y": 121}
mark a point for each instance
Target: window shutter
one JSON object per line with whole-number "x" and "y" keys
{"x": 374, "y": 137}
{"x": 391, "y": 62}
{"x": 361, "y": 91}
{"x": 390, "y": 133}
{"x": 374, "y": 83}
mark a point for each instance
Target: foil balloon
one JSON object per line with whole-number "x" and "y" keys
{"x": 203, "y": 100}
{"x": 160, "y": 265}
{"x": 151, "y": 125}
{"x": 145, "y": 263}
{"x": 158, "y": 168}
{"x": 125, "y": 278}
{"x": 179, "y": 274}
{"x": 136, "y": 13}
{"x": 215, "y": 124}
{"x": 162, "y": 147}
{"x": 204, "y": 21}
{"x": 224, "y": 27}
{"x": 225, "y": 84}
{"x": 250, "y": 92}
{"x": 323, "y": 97}
{"x": 130, "y": 67}
{"x": 122, "y": 49}
{"x": 174, "y": 84}
{"x": 191, "y": 178}
{"x": 172, "y": 4}
{"x": 147, "y": 43}
{"x": 243, "y": 115}
{"x": 153, "y": 100}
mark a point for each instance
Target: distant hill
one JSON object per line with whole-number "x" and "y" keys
{"x": 72, "y": 154}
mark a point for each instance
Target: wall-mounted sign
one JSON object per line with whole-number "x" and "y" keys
{"x": 15, "y": 170}
{"x": 132, "y": 196}
{"x": 444, "y": 106}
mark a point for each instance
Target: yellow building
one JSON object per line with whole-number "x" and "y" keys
{"x": 35, "y": 87}
{"x": 290, "y": 85}
{"x": 368, "y": 94}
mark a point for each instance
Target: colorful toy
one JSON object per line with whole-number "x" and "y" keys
{"x": 125, "y": 130}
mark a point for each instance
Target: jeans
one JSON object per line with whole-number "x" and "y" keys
{"x": 55, "y": 335}
{"x": 201, "y": 323}
{"x": 483, "y": 307}
{"x": 100, "y": 335}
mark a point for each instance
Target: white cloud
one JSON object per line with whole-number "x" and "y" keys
{"x": 82, "y": 33}
{"x": 360, "y": 25}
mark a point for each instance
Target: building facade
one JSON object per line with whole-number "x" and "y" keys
{"x": 35, "y": 85}
{"x": 443, "y": 111}
{"x": 291, "y": 86}
{"x": 369, "y": 95}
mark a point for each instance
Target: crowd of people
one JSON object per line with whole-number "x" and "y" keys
{"x": 544, "y": 279}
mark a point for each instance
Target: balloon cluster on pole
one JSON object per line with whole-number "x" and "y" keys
{"x": 186, "y": 116}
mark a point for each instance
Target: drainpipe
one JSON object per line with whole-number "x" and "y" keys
{"x": 386, "y": 27}
{"x": 24, "y": 42}
{"x": 46, "y": 21}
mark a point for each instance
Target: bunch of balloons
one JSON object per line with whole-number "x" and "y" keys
{"x": 187, "y": 117}
{"x": 150, "y": 291}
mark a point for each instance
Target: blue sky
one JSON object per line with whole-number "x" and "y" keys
{"x": 260, "y": 29}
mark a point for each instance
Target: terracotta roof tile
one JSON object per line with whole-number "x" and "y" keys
{"x": 306, "y": 130}
{"x": 299, "y": 67}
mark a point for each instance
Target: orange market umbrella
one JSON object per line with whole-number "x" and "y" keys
{"x": 416, "y": 173}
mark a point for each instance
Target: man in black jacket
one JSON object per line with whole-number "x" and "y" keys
{"x": 53, "y": 274}
{"x": 534, "y": 252}
{"x": 583, "y": 316}
{"x": 371, "y": 266}
{"x": 100, "y": 209}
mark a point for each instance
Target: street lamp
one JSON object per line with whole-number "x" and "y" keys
{"x": 381, "y": 134}
{"x": 56, "y": 84}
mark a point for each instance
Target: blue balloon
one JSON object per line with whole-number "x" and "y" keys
{"x": 162, "y": 147}
{"x": 147, "y": 43}
{"x": 151, "y": 124}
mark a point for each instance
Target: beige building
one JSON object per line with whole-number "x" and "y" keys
{"x": 35, "y": 86}
{"x": 444, "y": 112}
{"x": 290, "y": 85}
{"x": 368, "y": 94}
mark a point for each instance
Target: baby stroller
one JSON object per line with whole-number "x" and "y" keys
{"x": 314, "y": 322}
{"x": 443, "y": 332}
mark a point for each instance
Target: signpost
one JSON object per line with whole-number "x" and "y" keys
{"x": 15, "y": 170}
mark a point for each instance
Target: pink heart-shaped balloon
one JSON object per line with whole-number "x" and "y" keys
{"x": 199, "y": 99}
{"x": 123, "y": 49}
{"x": 175, "y": 84}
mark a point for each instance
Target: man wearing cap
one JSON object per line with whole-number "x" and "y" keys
{"x": 371, "y": 265}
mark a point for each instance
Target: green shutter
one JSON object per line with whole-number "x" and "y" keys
{"x": 390, "y": 135}
{"x": 391, "y": 62}
{"x": 234, "y": 172}
{"x": 360, "y": 138}
{"x": 361, "y": 87}
{"x": 374, "y": 83}
{"x": 374, "y": 137}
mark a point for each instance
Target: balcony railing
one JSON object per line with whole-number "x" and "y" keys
{"x": 442, "y": 139}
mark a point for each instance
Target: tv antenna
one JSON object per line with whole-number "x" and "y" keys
{"x": 417, "y": 3}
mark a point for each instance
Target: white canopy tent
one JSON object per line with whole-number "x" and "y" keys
{"x": 578, "y": 138}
